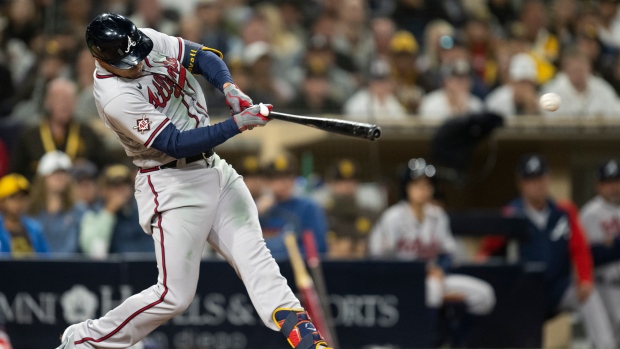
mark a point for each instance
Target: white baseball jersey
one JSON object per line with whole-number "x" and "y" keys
{"x": 138, "y": 109}
{"x": 399, "y": 233}
{"x": 601, "y": 221}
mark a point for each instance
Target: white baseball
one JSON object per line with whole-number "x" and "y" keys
{"x": 550, "y": 101}
{"x": 264, "y": 111}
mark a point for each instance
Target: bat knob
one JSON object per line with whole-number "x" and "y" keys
{"x": 264, "y": 111}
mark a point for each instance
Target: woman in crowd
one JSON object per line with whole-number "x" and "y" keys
{"x": 53, "y": 205}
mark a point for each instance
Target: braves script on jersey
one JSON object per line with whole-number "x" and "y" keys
{"x": 400, "y": 233}
{"x": 167, "y": 86}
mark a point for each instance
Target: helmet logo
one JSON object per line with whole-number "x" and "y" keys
{"x": 130, "y": 43}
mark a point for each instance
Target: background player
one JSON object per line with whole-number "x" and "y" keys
{"x": 601, "y": 221}
{"x": 186, "y": 194}
{"x": 557, "y": 239}
{"x": 416, "y": 229}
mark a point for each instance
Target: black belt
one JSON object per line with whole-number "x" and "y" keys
{"x": 189, "y": 160}
{"x": 173, "y": 164}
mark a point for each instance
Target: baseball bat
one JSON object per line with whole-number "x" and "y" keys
{"x": 314, "y": 264}
{"x": 305, "y": 286}
{"x": 348, "y": 128}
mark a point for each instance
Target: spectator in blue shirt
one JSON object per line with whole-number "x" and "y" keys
{"x": 112, "y": 225}
{"x": 289, "y": 212}
{"x": 19, "y": 235}
{"x": 53, "y": 206}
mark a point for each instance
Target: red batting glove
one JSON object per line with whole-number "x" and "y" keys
{"x": 236, "y": 99}
{"x": 251, "y": 117}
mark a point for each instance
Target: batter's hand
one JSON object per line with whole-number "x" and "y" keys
{"x": 236, "y": 100}
{"x": 251, "y": 117}
{"x": 584, "y": 290}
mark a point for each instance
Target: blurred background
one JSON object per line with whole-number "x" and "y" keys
{"x": 471, "y": 177}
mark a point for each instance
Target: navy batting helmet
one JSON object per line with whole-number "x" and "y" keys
{"x": 117, "y": 41}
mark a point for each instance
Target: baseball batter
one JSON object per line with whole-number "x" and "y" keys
{"x": 601, "y": 220}
{"x": 415, "y": 229}
{"x": 187, "y": 195}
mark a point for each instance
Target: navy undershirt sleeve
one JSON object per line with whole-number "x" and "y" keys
{"x": 182, "y": 144}
{"x": 603, "y": 254}
{"x": 207, "y": 64}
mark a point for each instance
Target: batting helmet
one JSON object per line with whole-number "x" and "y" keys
{"x": 116, "y": 41}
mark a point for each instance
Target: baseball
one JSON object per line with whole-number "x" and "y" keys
{"x": 264, "y": 111}
{"x": 550, "y": 101}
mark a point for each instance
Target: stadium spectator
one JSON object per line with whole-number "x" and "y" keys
{"x": 349, "y": 224}
{"x": 378, "y": 101}
{"x": 519, "y": 96}
{"x": 535, "y": 20}
{"x": 601, "y": 221}
{"x": 289, "y": 212}
{"x": 20, "y": 236}
{"x": 383, "y": 29}
{"x": 325, "y": 26}
{"x": 353, "y": 37}
{"x": 436, "y": 34}
{"x": 210, "y": 26}
{"x": 57, "y": 131}
{"x": 320, "y": 55}
{"x": 416, "y": 229}
{"x": 85, "y": 107}
{"x": 557, "y": 239}
{"x": 53, "y": 206}
{"x": 480, "y": 46}
{"x": 150, "y": 14}
{"x": 609, "y": 23}
{"x": 84, "y": 174}
{"x": 257, "y": 183}
{"x": 403, "y": 55}
{"x": 264, "y": 86}
{"x": 454, "y": 98}
{"x": 315, "y": 97}
{"x": 113, "y": 226}
{"x": 285, "y": 50}
{"x": 583, "y": 94}
{"x": 564, "y": 20}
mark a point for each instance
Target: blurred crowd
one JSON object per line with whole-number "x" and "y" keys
{"x": 366, "y": 59}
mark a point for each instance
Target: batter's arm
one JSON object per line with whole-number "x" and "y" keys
{"x": 201, "y": 60}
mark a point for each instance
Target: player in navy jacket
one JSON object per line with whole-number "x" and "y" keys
{"x": 558, "y": 240}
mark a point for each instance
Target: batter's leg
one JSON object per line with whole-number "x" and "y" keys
{"x": 238, "y": 237}
{"x": 179, "y": 241}
{"x": 595, "y": 319}
{"x": 479, "y": 295}
{"x": 610, "y": 294}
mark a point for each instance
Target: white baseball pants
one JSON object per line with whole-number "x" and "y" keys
{"x": 478, "y": 295}
{"x": 594, "y": 317}
{"x": 183, "y": 209}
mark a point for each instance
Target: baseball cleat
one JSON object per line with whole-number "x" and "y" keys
{"x": 67, "y": 338}
{"x": 296, "y": 326}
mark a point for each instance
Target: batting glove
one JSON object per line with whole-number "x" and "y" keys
{"x": 251, "y": 117}
{"x": 236, "y": 100}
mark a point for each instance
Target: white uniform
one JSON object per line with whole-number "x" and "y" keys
{"x": 601, "y": 221}
{"x": 183, "y": 207}
{"x": 400, "y": 234}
